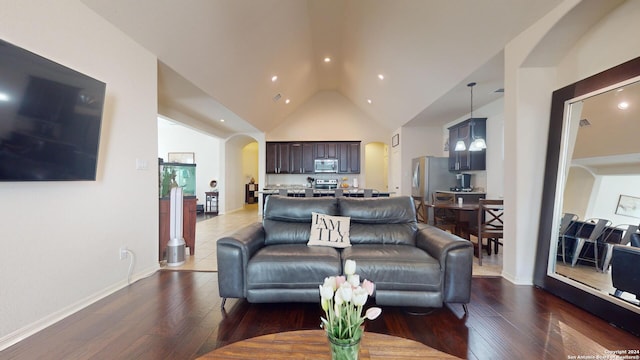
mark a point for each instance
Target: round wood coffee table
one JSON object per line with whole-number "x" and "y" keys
{"x": 313, "y": 344}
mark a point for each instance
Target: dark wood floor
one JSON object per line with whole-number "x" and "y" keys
{"x": 176, "y": 315}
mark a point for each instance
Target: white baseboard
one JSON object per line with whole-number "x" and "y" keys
{"x": 515, "y": 280}
{"x": 23, "y": 333}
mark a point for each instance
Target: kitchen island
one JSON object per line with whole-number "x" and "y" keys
{"x": 301, "y": 191}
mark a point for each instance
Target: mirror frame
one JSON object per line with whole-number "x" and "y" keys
{"x": 613, "y": 313}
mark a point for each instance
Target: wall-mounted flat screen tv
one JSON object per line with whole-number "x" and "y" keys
{"x": 50, "y": 118}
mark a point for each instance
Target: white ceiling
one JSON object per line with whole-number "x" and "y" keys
{"x": 217, "y": 57}
{"x": 609, "y": 144}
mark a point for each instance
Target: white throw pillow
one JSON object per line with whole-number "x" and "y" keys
{"x": 327, "y": 230}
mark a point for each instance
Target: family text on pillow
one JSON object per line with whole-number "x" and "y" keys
{"x": 327, "y": 230}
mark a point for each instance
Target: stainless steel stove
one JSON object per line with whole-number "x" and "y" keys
{"x": 326, "y": 183}
{"x": 457, "y": 189}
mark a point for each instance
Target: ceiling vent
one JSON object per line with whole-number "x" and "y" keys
{"x": 584, "y": 122}
{"x": 499, "y": 91}
{"x": 277, "y": 97}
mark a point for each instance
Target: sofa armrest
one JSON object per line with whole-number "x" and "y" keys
{"x": 233, "y": 254}
{"x": 455, "y": 255}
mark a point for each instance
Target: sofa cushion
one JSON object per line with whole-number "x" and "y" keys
{"x": 381, "y": 210}
{"x": 327, "y": 230}
{"x": 292, "y": 266}
{"x": 396, "y": 267}
{"x": 380, "y": 220}
{"x": 287, "y": 220}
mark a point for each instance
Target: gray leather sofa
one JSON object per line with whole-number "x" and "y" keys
{"x": 411, "y": 264}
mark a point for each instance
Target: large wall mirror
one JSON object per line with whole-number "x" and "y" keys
{"x": 591, "y": 196}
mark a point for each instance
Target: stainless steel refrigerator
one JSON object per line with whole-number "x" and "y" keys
{"x": 430, "y": 174}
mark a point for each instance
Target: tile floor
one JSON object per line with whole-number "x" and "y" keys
{"x": 210, "y": 228}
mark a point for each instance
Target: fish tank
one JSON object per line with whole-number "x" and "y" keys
{"x": 177, "y": 175}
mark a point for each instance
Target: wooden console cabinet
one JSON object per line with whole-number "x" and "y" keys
{"x": 251, "y": 193}
{"x": 188, "y": 226}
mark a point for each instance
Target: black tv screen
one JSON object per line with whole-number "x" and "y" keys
{"x": 50, "y": 118}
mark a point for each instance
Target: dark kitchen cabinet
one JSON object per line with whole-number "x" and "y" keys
{"x": 278, "y": 156}
{"x": 302, "y": 157}
{"x": 465, "y": 132}
{"x": 349, "y": 157}
{"x": 299, "y": 157}
{"x": 326, "y": 150}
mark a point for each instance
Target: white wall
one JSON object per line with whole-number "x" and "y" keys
{"x": 376, "y": 163}
{"x": 606, "y": 195}
{"x": 527, "y": 104}
{"x": 580, "y": 181}
{"x": 61, "y": 240}
{"x": 178, "y": 138}
{"x": 250, "y": 162}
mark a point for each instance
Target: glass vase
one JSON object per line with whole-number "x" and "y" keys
{"x": 344, "y": 349}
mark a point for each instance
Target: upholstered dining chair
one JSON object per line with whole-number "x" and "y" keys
{"x": 443, "y": 218}
{"x": 625, "y": 270}
{"x": 490, "y": 225}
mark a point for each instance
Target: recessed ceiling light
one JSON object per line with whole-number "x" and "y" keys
{"x": 287, "y": 101}
{"x": 4, "y": 97}
{"x": 623, "y": 105}
{"x": 221, "y": 120}
{"x": 380, "y": 76}
{"x": 327, "y": 59}
{"x": 274, "y": 78}
{"x": 369, "y": 101}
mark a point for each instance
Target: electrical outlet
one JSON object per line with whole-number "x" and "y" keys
{"x": 123, "y": 253}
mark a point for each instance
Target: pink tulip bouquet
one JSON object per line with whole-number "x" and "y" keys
{"x": 342, "y": 299}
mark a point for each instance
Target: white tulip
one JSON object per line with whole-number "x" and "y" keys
{"x": 326, "y": 292}
{"x": 354, "y": 280}
{"x": 345, "y": 292}
{"x": 330, "y": 281}
{"x": 373, "y": 313}
{"x": 360, "y": 296}
{"x": 350, "y": 267}
{"x": 337, "y": 298}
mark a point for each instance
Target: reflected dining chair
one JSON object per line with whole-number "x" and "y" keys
{"x": 593, "y": 240}
{"x": 490, "y": 225}
{"x": 610, "y": 240}
{"x": 568, "y": 219}
{"x": 444, "y": 219}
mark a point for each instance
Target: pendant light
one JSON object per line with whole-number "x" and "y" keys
{"x": 477, "y": 144}
{"x": 460, "y": 146}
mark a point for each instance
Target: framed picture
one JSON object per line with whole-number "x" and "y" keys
{"x": 628, "y": 206}
{"x": 182, "y": 157}
{"x": 395, "y": 140}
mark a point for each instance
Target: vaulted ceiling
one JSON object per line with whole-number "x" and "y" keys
{"x": 217, "y": 57}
